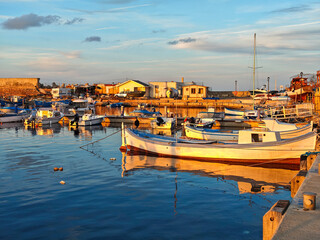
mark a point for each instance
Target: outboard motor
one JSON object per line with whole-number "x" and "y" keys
{"x": 160, "y": 121}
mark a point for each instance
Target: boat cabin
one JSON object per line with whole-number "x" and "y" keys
{"x": 248, "y": 136}
{"x": 47, "y": 113}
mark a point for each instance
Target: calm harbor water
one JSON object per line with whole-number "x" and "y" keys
{"x": 131, "y": 197}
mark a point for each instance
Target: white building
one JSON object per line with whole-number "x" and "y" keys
{"x": 161, "y": 89}
{"x": 60, "y": 92}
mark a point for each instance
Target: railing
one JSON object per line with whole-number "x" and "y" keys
{"x": 291, "y": 112}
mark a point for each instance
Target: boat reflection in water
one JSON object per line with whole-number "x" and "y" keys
{"x": 45, "y": 130}
{"x": 142, "y": 126}
{"x": 256, "y": 178}
{"x": 11, "y": 125}
{"x": 86, "y": 132}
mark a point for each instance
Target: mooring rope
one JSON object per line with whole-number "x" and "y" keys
{"x": 99, "y": 139}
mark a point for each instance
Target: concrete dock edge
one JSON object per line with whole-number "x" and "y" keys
{"x": 297, "y": 223}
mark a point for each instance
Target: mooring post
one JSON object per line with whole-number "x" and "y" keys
{"x": 272, "y": 218}
{"x": 303, "y": 162}
{"x": 310, "y": 160}
{"x": 297, "y": 181}
{"x": 309, "y": 201}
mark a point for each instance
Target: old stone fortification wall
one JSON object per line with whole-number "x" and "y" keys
{"x": 19, "y": 86}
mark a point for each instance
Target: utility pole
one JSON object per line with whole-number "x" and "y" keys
{"x": 268, "y": 79}
{"x": 236, "y": 85}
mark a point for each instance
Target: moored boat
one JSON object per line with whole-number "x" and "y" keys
{"x": 145, "y": 113}
{"x": 82, "y": 106}
{"x": 210, "y": 134}
{"x": 250, "y": 114}
{"x": 252, "y": 146}
{"x": 286, "y": 131}
{"x": 163, "y": 123}
{"x": 301, "y": 87}
{"x": 44, "y": 116}
{"x": 88, "y": 120}
{"x": 13, "y": 117}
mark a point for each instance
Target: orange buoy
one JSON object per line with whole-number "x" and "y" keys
{"x": 61, "y": 169}
{"x": 55, "y": 169}
{"x": 62, "y": 182}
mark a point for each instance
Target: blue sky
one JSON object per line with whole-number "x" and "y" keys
{"x": 206, "y": 41}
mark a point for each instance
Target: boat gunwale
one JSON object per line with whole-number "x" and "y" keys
{"x": 255, "y": 145}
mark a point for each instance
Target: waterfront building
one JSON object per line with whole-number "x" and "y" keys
{"x": 61, "y": 92}
{"x": 133, "y": 86}
{"x": 167, "y": 89}
{"x": 105, "y": 89}
{"x": 83, "y": 90}
{"x": 159, "y": 89}
{"x": 194, "y": 91}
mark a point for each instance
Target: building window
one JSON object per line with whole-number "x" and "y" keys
{"x": 200, "y": 90}
{"x": 187, "y": 89}
{"x": 193, "y": 90}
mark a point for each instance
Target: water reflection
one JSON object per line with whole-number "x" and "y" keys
{"x": 181, "y": 112}
{"x": 45, "y": 130}
{"x": 11, "y": 125}
{"x": 250, "y": 179}
{"x": 86, "y": 132}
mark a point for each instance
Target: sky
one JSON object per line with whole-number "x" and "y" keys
{"x": 210, "y": 42}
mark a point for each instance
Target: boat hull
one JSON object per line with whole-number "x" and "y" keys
{"x": 49, "y": 121}
{"x": 90, "y": 122}
{"x": 8, "y": 118}
{"x": 216, "y": 135}
{"x": 209, "y": 134}
{"x": 286, "y": 151}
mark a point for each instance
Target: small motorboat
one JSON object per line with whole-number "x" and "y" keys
{"x": 13, "y": 117}
{"x": 248, "y": 114}
{"x": 163, "y": 123}
{"x": 88, "y": 119}
{"x": 44, "y": 116}
{"x": 144, "y": 113}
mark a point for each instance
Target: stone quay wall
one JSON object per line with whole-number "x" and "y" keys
{"x": 19, "y": 86}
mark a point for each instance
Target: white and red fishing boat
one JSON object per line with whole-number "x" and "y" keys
{"x": 252, "y": 146}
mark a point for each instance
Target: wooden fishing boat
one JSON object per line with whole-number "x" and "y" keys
{"x": 252, "y": 146}
{"x": 286, "y": 131}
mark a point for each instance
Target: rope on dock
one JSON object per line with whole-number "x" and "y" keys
{"x": 99, "y": 139}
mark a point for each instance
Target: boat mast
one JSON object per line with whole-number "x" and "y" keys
{"x": 254, "y": 67}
